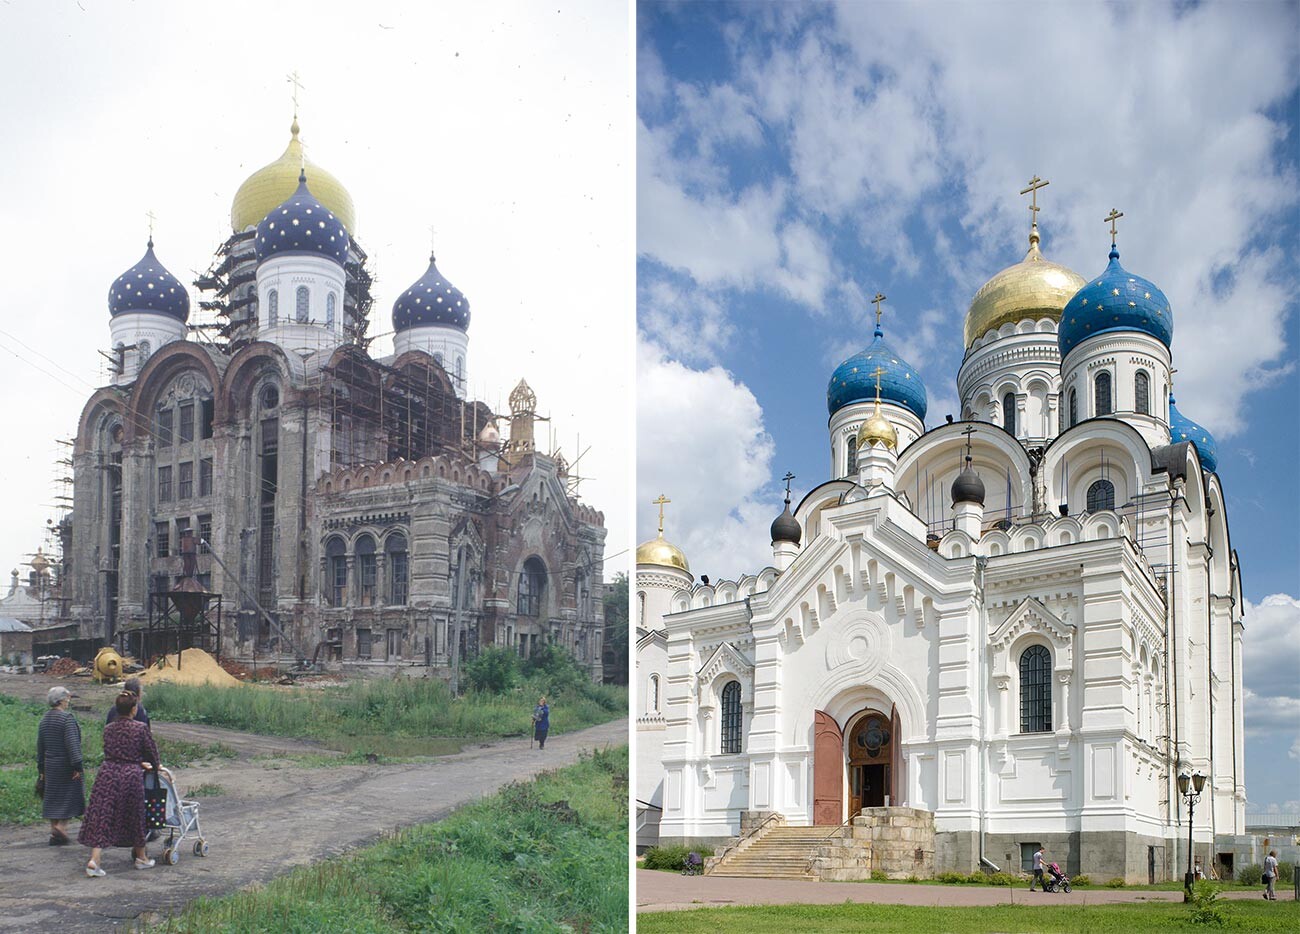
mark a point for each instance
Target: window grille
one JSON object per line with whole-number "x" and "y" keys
{"x": 398, "y": 569}
{"x": 205, "y": 477}
{"x": 187, "y": 421}
{"x": 1142, "y": 393}
{"x": 162, "y": 538}
{"x": 532, "y": 581}
{"x": 1074, "y": 408}
{"x": 363, "y": 643}
{"x": 366, "y": 570}
{"x": 1101, "y": 495}
{"x": 1036, "y": 690}
{"x": 185, "y": 480}
{"x": 302, "y": 305}
{"x": 853, "y": 456}
{"x": 164, "y": 428}
{"x": 1009, "y": 413}
{"x": 731, "y": 718}
{"x": 330, "y": 303}
{"x": 164, "y": 484}
{"x": 205, "y": 532}
{"x": 1101, "y": 394}
{"x": 336, "y": 558}
{"x": 272, "y": 308}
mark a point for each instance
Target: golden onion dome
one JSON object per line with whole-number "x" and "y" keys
{"x": 662, "y": 552}
{"x": 271, "y": 185}
{"x": 877, "y": 430}
{"x": 1032, "y": 288}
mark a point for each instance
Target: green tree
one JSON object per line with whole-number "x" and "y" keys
{"x": 616, "y": 630}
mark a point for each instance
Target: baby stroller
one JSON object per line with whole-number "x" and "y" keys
{"x": 692, "y": 864}
{"x": 1057, "y": 879}
{"x": 182, "y": 821}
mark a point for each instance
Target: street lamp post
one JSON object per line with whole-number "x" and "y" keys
{"x": 1189, "y": 786}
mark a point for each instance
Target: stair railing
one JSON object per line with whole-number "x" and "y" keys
{"x": 833, "y": 833}
{"x": 745, "y": 836}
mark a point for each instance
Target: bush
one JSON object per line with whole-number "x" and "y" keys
{"x": 1205, "y": 906}
{"x": 1116, "y": 883}
{"x": 879, "y": 875}
{"x": 913, "y": 878}
{"x": 1001, "y": 878}
{"x": 1080, "y": 881}
{"x": 1285, "y": 873}
{"x": 1250, "y": 874}
{"x": 951, "y": 878}
{"x": 666, "y": 858}
{"x": 496, "y": 670}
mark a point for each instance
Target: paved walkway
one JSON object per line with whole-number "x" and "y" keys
{"x": 667, "y": 891}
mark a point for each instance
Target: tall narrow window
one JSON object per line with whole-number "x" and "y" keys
{"x": 164, "y": 432}
{"x": 205, "y": 532}
{"x": 205, "y": 477}
{"x": 1101, "y": 495}
{"x": 731, "y": 718}
{"x": 336, "y": 569}
{"x": 1142, "y": 393}
{"x": 162, "y": 538}
{"x": 363, "y": 643}
{"x": 532, "y": 582}
{"x": 185, "y": 480}
{"x": 1074, "y": 408}
{"x": 164, "y": 484}
{"x": 1036, "y": 690}
{"x": 330, "y": 303}
{"x": 366, "y": 570}
{"x": 187, "y": 422}
{"x": 652, "y": 705}
{"x": 398, "y": 569}
{"x": 302, "y": 305}
{"x": 1009, "y": 413}
{"x": 460, "y": 370}
{"x": 205, "y": 418}
{"x": 272, "y": 308}
{"x": 853, "y": 457}
{"x": 1101, "y": 393}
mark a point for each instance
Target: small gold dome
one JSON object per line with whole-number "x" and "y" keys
{"x": 877, "y": 430}
{"x": 662, "y": 552}
{"x": 271, "y": 185}
{"x": 1032, "y": 288}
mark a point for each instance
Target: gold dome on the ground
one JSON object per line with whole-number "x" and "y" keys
{"x": 1032, "y": 288}
{"x": 662, "y": 552}
{"x": 271, "y": 185}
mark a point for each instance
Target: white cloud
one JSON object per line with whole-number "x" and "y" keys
{"x": 688, "y": 322}
{"x": 1271, "y": 651}
{"x": 702, "y": 442}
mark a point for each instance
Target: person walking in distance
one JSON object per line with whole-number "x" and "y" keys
{"x": 132, "y": 686}
{"x": 541, "y": 722}
{"x": 59, "y": 766}
{"x": 1038, "y": 869}
{"x": 1270, "y": 875}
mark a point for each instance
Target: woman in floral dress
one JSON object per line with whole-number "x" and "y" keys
{"x": 115, "y": 816}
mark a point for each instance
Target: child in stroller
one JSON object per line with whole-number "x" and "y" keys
{"x": 692, "y": 864}
{"x": 1057, "y": 879}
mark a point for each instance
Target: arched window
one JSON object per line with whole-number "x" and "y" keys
{"x": 1101, "y": 393}
{"x": 1035, "y": 690}
{"x": 302, "y": 304}
{"x": 652, "y": 695}
{"x": 731, "y": 718}
{"x": 640, "y": 607}
{"x": 853, "y": 457}
{"x": 1101, "y": 495}
{"x": 532, "y": 584}
{"x": 145, "y": 350}
{"x": 336, "y": 569}
{"x": 367, "y": 569}
{"x": 437, "y": 358}
{"x": 398, "y": 569}
{"x": 272, "y": 308}
{"x": 1142, "y": 393}
{"x": 460, "y": 369}
{"x": 330, "y": 304}
{"x": 1074, "y": 408}
{"x": 1009, "y": 413}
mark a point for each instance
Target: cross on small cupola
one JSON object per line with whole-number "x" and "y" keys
{"x": 1111, "y": 218}
{"x": 660, "y": 502}
{"x": 1035, "y": 183}
{"x": 880, "y": 297}
{"x": 787, "y": 478}
{"x": 152, "y": 218}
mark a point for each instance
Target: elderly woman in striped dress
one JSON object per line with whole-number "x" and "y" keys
{"x": 58, "y": 760}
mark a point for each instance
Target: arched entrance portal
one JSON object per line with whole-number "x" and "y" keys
{"x": 870, "y": 761}
{"x": 858, "y": 767}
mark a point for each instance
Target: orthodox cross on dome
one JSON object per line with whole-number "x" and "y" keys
{"x": 660, "y": 503}
{"x": 787, "y": 478}
{"x": 877, "y": 373}
{"x": 431, "y": 241}
{"x": 878, "y": 299}
{"x": 293, "y": 79}
{"x": 152, "y": 218}
{"x": 1110, "y": 218}
{"x": 968, "y": 431}
{"x": 1035, "y": 183}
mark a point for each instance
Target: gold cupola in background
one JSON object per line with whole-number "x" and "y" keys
{"x": 877, "y": 429}
{"x": 1033, "y": 288}
{"x": 272, "y": 184}
{"x": 659, "y": 551}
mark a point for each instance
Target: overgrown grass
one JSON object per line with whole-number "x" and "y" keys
{"x": 1247, "y": 915}
{"x": 541, "y": 856}
{"x": 205, "y": 790}
{"x": 406, "y": 707}
{"x": 18, "y": 723}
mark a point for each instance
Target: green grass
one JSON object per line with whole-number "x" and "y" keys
{"x": 357, "y": 716}
{"x": 18, "y": 723}
{"x": 205, "y": 790}
{"x": 541, "y": 856}
{"x": 1247, "y": 915}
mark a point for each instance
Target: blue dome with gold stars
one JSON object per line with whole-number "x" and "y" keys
{"x": 1182, "y": 428}
{"x": 431, "y": 300}
{"x": 1116, "y": 300}
{"x": 301, "y": 225}
{"x": 149, "y": 287}
{"x": 854, "y": 380}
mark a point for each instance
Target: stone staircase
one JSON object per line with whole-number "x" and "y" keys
{"x": 781, "y": 852}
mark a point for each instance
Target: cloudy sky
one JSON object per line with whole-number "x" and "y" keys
{"x": 794, "y": 159}
{"x": 507, "y": 127}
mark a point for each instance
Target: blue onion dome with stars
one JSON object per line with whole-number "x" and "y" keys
{"x": 301, "y": 225}
{"x": 431, "y": 300}
{"x": 1116, "y": 300}
{"x": 1182, "y": 428}
{"x": 854, "y": 380}
{"x": 148, "y": 286}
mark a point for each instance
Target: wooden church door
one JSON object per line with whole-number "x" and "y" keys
{"x": 828, "y": 771}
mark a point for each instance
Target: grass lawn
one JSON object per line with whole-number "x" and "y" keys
{"x": 1012, "y": 919}
{"x": 18, "y": 722}
{"x": 389, "y": 717}
{"x": 541, "y": 856}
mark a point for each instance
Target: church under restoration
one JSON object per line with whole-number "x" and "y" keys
{"x": 360, "y": 511}
{"x": 1022, "y": 626}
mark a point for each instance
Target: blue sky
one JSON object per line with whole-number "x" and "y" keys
{"x": 794, "y": 159}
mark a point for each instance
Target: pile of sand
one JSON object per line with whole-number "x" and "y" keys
{"x": 196, "y": 667}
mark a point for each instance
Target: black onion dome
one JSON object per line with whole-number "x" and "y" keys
{"x": 785, "y": 528}
{"x": 148, "y": 286}
{"x": 968, "y": 487}
{"x": 431, "y": 300}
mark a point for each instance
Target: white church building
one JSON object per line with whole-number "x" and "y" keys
{"x": 1026, "y": 622}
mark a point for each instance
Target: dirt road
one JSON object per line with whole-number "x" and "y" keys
{"x": 272, "y": 818}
